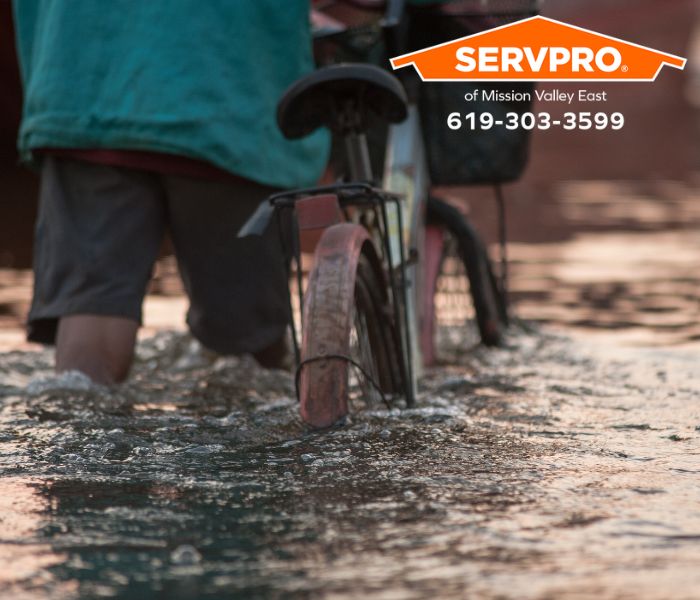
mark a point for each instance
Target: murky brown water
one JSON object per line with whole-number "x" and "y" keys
{"x": 549, "y": 469}
{"x": 565, "y": 465}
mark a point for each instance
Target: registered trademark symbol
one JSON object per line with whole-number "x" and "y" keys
{"x": 625, "y": 68}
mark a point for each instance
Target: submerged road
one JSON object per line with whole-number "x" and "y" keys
{"x": 565, "y": 465}
{"x": 555, "y": 468}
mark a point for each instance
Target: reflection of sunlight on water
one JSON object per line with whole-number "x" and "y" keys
{"x": 553, "y": 466}
{"x": 160, "y": 407}
{"x": 545, "y": 467}
{"x": 20, "y": 508}
{"x": 25, "y": 554}
{"x": 627, "y": 271}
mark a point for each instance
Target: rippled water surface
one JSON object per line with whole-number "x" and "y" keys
{"x": 548, "y": 469}
{"x": 565, "y": 465}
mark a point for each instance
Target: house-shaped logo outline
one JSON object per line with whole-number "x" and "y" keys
{"x": 408, "y": 59}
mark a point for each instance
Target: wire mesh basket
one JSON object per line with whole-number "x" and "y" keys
{"x": 496, "y": 155}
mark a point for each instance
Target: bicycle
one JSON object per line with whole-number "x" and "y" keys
{"x": 367, "y": 318}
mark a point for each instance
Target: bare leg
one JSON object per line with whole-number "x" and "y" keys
{"x": 101, "y": 347}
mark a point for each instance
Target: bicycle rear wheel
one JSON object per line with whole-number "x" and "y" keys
{"x": 461, "y": 303}
{"x": 350, "y": 355}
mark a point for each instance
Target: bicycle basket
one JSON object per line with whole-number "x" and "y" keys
{"x": 462, "y": 157}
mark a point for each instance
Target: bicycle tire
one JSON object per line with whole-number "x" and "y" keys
{"x": 346, "y": 292}
{"x": 490, "y": 312}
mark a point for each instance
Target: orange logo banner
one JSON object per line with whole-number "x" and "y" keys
{"x": 538, "y": 49}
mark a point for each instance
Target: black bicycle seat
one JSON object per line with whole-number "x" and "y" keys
{"x": 340, "y": 97}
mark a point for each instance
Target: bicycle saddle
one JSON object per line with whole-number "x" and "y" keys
{"x": 340, "y": 97}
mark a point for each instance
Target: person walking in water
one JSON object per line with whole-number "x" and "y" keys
{"x": 147, "y": 117}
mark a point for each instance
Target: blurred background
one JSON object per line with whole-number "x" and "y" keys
{"x": 603, "y": 227}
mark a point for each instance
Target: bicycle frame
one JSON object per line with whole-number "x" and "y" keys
{"x": 398, "y": 211}
{"x": 381, "y": 228}
{"x": 406, "y": 173}
{"x": 397, "y": 220}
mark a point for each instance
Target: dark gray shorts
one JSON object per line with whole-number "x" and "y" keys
{"x": 99, "y": 232}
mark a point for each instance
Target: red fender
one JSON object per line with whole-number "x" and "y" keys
{"x": 328, "y": 310}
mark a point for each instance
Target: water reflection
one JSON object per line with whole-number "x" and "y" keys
{"x": 26, "y": 555}
{"x": 557, "y": 467}
{"x": 613, "y": 258}
{"x": 529, "y": 472}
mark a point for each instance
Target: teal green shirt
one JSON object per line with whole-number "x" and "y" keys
{"x": 197, "y": 78}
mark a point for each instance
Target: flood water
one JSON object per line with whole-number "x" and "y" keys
{"x": 564, "y": 465}
{"x": 549, "y": 469}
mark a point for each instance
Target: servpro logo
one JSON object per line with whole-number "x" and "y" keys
{"x": 538, "y": 49}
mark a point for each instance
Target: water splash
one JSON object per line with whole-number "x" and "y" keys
{"x": 520, "y": 473}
